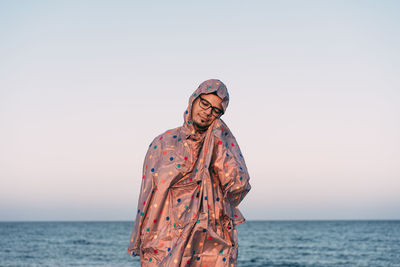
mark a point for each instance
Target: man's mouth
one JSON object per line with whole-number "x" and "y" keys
{"x": 203, "y": 119}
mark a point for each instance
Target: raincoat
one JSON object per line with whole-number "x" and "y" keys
{"x": 191, "y": 186}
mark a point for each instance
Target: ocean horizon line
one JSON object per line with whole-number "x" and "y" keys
{"x": 254, "y": 220}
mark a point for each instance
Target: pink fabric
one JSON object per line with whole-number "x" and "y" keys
{"x": 191, "y": 187}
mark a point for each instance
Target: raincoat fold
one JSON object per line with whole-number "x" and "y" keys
{"x": 192, "y": 184}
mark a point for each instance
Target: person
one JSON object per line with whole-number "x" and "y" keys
{"x": 194, "y": 178}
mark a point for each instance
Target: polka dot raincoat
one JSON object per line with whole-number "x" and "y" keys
{"x": 191, "y": 187}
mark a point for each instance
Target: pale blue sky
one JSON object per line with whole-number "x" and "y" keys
{"x": 86, "y": 85}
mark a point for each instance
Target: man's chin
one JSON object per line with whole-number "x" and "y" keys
{"x": 201, "y": 126}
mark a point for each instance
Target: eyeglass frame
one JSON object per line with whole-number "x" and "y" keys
{"x": 211, "y": 106}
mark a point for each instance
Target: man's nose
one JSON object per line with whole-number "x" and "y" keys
{"x": 208, "y": 111}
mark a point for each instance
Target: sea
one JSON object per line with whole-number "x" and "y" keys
{"x": 261, "y": 243}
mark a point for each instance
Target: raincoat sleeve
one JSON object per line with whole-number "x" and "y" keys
{"x": 231, "y": 171}
{"x": 146, "y": 193}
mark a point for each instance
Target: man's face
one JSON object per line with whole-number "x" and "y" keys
{"x": 202, "y": 118}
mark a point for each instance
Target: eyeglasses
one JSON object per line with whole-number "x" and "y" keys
{"x": 204, "y": 104}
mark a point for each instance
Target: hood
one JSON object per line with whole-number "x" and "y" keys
{"x": 206, "y": 87}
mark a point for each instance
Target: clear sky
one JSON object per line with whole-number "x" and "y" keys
{"x": 86, "y": 85}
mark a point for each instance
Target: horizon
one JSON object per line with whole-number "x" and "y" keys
{"x": 261, "y": 220}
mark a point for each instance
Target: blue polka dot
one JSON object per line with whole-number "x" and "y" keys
{"x": 205, "y": 197}
{"x": 240, "y": 168}
{"x": 224, "y": 259}
{"x": 226, "y": 133}
{"x": 169, "y": 249}
{"x": 227, "y": 154}
{"x": 179, "y": 200}
{"x": 167, "y": 218}
{"x": 152, "y": 169}
{"x": 198, "y": 258}
{"x": 204, "y": 230}
{"x": 171, "y": 158}
{"x": 138, "y": 211}
{"x": 186, "y": 112}
{"x": 174, "y": 136}
{"x": 217, "y": 199}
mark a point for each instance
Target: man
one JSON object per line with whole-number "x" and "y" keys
{"x": 194, "y": 177}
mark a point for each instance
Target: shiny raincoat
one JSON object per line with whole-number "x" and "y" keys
{"x": 191, "y": 186}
